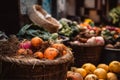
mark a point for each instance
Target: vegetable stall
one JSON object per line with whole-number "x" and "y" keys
{"x": 50, "y": 49}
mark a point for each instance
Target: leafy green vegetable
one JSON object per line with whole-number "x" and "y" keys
{"x": 114, "y": 14}
{"x": 30, "y": 30}
{"x": 68, "y": 29}
{"x": 108, "y": 36}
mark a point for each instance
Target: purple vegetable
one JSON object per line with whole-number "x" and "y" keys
{"x": 25, "y": 44}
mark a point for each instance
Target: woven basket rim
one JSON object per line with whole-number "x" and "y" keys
{"x": 42, "y": 21}
{"x": 42, "y": 11}
{"x": 27, "y": 61}
{"x": 84, "y": 45}
{"x": 111, "y": 49}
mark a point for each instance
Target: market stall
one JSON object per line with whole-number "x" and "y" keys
{"x": 51, "y": 49}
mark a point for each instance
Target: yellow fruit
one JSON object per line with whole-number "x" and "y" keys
{"x": 101, "y": 73}
{"x": 91, "y": 77}
{"x": 104, "y": 66}
{"x": 89, "y": 67}
{"x": 81, "y": 71}
{"x": 111, "y": 76}
{"x": 114, "y": 66}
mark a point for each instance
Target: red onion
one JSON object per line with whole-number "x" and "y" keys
{"x": 25, "y": 44}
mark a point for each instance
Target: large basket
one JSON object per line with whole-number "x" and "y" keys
{"x": 40, "y": 17}
{"x": 34, "y": 69}
{"x": 86, "y": 54}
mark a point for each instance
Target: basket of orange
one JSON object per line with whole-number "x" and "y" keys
{"x": 34, "y": 59}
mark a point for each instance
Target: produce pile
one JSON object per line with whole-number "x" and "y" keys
{"x": 89, "y": 71}
{"x": 36, "y": 47}
{"x": 86, "y": 33}
{"x": 31, "y": 30}
{"x": 42, "y": 49}
{"x": 69, "y": 28}
{"x": 89, "y": 35}
{"x": 112, "y": 37}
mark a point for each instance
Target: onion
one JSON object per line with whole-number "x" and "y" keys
{"x": 25, "y": 44}
{"x": 99, "y": 40}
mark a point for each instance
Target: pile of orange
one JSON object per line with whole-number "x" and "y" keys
{"x": 44, "y": 49}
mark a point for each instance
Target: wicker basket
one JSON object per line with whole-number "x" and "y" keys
{"x": 86, "y": 54}
{"x": 34, "y": 69}
{"x": 109, "y": 55}
{"x": 40, "y": 17}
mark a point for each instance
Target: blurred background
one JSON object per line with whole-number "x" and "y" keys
{"x": 13, "y": 14}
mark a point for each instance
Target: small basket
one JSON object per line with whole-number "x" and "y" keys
{"x": 34, "y": 69}
{"x": 109, "y": 54}
{"x": 40, "y": 17}
{"x": 86, "y": 54}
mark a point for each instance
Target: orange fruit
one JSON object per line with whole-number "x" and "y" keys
{"x": 60, "y": 47}
{"x": 100, "y": 73}
{"x": 114, "y": 66}
{"x": 64, "y": 52}
{"x": 91, "y": 77}
{"x": 50, "y": 53}
{"x": 104, "y": 66}
{"x": 21, "y": 51}
{"x": 81, "y": 71}
{"x": 38, "y": 55}
{"x": 111, "y": 76}
{"x": 89, "y": 67}
{"x": 36, "y": 41}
